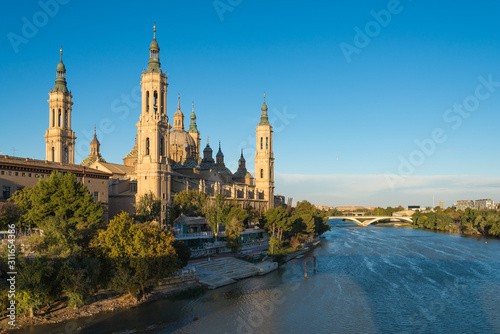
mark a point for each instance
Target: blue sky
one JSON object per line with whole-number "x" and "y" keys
{"x": 347, "y": 123}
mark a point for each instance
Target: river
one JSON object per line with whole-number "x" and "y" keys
{"x": 368, "y": 280}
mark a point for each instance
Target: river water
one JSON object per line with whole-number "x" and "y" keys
{"x": 368, "y": 280}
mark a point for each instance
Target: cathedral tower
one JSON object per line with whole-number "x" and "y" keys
{"x": 59, "y": 138}
{"x": 195, "y": 134}
{"x": 153, "y": 170}
{"x": 264, "y": 159}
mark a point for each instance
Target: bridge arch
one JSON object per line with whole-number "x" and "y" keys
{"x": 371, "y": 219}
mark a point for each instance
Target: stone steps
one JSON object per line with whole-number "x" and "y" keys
{"x": 220, "y": 272}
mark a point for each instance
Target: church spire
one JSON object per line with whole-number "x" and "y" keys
{"x": 154, "y": 55}
{"x": 193, "y": 128}
{"x": 95, "y": 145}
{"x": 60, "y": 85}
{"x": 178, "y": 116}
{"x": 263, "y": 118}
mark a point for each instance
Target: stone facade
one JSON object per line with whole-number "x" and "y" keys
{"x": 17, "y": 173}
{"x": 166, "y": 159}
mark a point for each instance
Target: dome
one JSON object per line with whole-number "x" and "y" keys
{"x": 154, "y": 45}
{"x": 207, "y": 149}
{"x": 61, "y": 67}
{"x": 181, "y": 137}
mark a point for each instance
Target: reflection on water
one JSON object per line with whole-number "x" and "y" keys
{"x": 368, "y": 280}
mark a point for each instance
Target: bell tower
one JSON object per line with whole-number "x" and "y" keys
{"x": 153, "y": 129}
{"x": 264, "y": 158}
{"x": 59, "y": 138}
{"x": 195, "y": 134}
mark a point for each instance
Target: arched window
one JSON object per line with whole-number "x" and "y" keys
{"x": 261, "y": 142}
{"x": 66, "y": 156}
{"x": 147, "y": 146}
{"x": 261, "y": 173}
{"x": 66, "y": 119}
{"x": 162, "y": 107}
{"x": 53, "y": 154}
{"x": 267, "y": 143}
{"x": 161, "y": 147}
{"x": 155, "y": 101}
{"x": 53, "y": 117}
{"x": 147, "y": 101}
{"x": 59, "y": 119}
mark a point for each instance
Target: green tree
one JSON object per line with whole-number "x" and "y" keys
{"x": 233, "y": 231}
{"x": 140, "y": 254}
{"x": 148, "y": 208}
{"x": 61, "y": 196}
{"x": 77, "y": 279}
{"x": 216, "y": 212}
{"x": 276, "y": 221}
{"x": 8, "y": 215}
{"x": 182, "y": 251}
{"x": 190, "y": 203}
{"x": 36, "y": 283}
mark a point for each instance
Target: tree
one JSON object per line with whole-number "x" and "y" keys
{"x": 304, "y": 206}
{"x": 36, "y": 282}
{"x": 140, "y": 254}
{"x": 148, "y": 208}
{"x": 77, "y": 279}
{"x": 233, "y": 231}
{"x": 61, "y": 196}
{"x": 59, "y": 239}
{"x": 276, "y": 221}
{"x": 182, "y": 251}
{"x": 8, "y": 215}
{"x": 216, "y": 212}
{"x": 190, "y": 203}
{"x": 63, "y": 208}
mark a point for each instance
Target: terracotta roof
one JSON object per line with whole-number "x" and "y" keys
{"x": 48, "y": 166}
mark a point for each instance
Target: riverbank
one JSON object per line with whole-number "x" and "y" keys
{"x": 109, "y": 301}
{"x": 102, "y": 302}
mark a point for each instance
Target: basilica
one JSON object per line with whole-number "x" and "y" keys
{"x": 165, "y": 159}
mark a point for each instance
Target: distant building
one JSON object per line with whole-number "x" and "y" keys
{"x": 484, "y": 204}
{"x": 351, "y": 208}
{"x": 279, "y": 200}
{"x": 441, "y": 204}
{"x": 414, "y": 207}
{"x": 463, "y": 204}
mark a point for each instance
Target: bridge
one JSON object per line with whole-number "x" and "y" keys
{"x": 371, "y": 219}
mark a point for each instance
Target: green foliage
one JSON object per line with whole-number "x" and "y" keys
{"x": 190, "y": 203}
{"x": 77, "y": 279}
{"x": 217, "y": 212}
{"x": 36, "y": 283}
{"x": 60, "y": 195}
{"x": 233, "y": 231}
{"x": 139, "y": 254}
{"x": 182, "y": 251}
{"x": 148, "y": 208}
{"x": 304, "y": 206}
{"x": 59, "y": 239}
{"x": 386, "y": 212}
{"x": 479, "y": 222}
{"x": 301, "y": 223}
{"x": 8, "y": 215}
{"x": 276, "y": 250}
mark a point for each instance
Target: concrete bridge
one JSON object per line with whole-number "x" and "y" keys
{"x": 372, "y": 219}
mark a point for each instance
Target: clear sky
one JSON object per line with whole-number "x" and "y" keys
{"x": 372, "y": 102}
